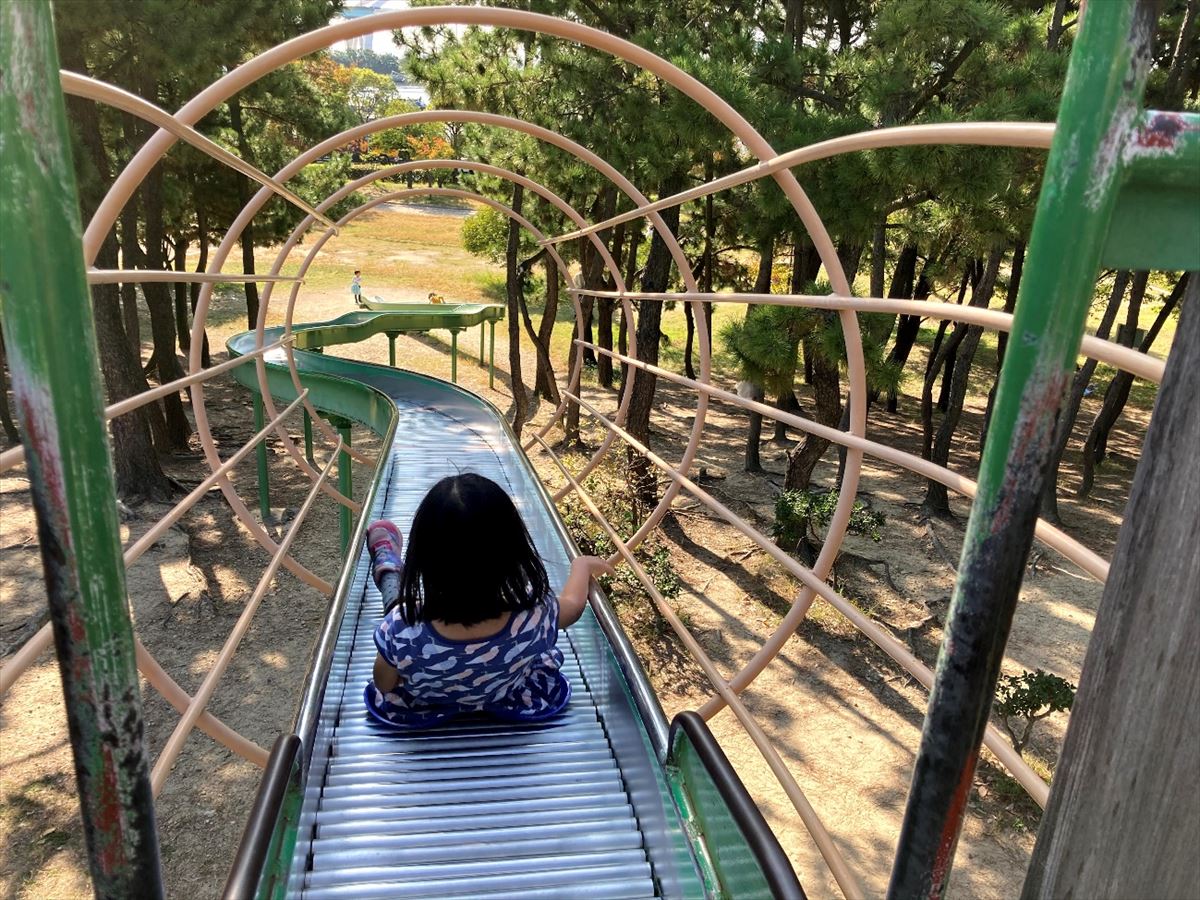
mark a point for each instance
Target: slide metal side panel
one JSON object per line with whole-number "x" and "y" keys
{"x": 581, "y": 806}
{"x": 578, "y": 805}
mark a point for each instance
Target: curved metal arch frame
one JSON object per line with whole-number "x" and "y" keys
{"x": 819, "y": 236}
{"x": 689, "y": 86}
{"x": 350, "y": 187}
{"x": 555, "y": 139}
{"x": 254, "y": 205}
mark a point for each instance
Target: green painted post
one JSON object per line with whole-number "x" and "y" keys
{"x": 1099, "y": 108}
{"x": 492, "y": 356}
{"x": 51, "y": 343}
{"x": 345, "y": 481}
{"x": 391, "y": 336}
{"x": 454, "y": 355}
{"x": 260, "y": 454}
{"x": 482, "y": 329}
{"x": 308, "y": 440}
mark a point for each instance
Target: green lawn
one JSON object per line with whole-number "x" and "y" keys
{"x": 407, "y": 252}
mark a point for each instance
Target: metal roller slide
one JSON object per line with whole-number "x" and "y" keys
{"x": 582, "y": 806}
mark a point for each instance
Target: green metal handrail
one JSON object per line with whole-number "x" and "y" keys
{"x": 1097, "y": 149}
{"x": 56, "y": 386}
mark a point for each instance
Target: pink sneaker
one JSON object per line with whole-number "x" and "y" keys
{"x": 386, "y": 545}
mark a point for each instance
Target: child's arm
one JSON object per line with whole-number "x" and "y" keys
{"x": 574, "y": 595}
{"x": 385, "y": 675}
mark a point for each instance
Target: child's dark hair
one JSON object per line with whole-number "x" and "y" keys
{"x": 469, "y": 556}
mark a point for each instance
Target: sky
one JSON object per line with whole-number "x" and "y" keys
{"x": 379, "y": 42}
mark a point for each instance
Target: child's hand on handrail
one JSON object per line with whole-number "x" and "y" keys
{"x": 574, "y": 595}
{"x": 596, "y": 565}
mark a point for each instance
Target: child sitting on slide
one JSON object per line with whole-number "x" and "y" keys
{"x": 470, "y": 622}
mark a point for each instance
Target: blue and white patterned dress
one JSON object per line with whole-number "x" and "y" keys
{"x": 512, "y": 675}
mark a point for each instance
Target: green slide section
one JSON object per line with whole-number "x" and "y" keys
{"x": 696, "y": 829}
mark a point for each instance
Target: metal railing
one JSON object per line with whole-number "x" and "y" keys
{"x": 770, "y": 164}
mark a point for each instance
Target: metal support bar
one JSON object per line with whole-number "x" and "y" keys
{"x": 47, "y": 317}
{"x": 391, "y": 336}
{"x": 481, "y": 335}
{"x": 171, "y": 750}
{"x": 1140, "y": 364}
{"x": 345, "y": 482}
{"x": 845, "y": 877}
{"x": 881, "y": 637}
{"x": 1087, "y": 560}
{"x": 308, "y": 437}
{"x": 147, "y": 540}
{"x": 1100, "y": 100}
{"x": 492, "y": 357}
{"x": 454, "y": 355}
{"x": 16, "y": 455}
{"x": 260, "y": 454}
{"x": 82, "y": 86}
{"x": 985, "y": 134}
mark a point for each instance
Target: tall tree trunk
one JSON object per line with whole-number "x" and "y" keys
{"x": 850, "y": 256}
{"x": 940, "y": 350}
{"x": 750, "y": 389}
{"x": 6, "y": 417}
{"x": 907, "y": 329}
{"x": 631, "y": 273}
{"x": 135, "y": 464}
{"x": 513, "y": 283}
{"x": 688, "y": 340}
{"x": 1010, "y": 304}
{"x": 132, "y": 258}
{"x": 571, "y": 416}
{"x": 182, "y": 326}
{"x": 820, "y": 373}
{"x": 588, "y": 304}
{"x": 806, "y": 266}
{"x": 937, "y": 501}
{"x": 247, "y": 237}
{"x": 605, "y": 308}
{"x": 649, "y": 333}
{"x": 162, "y": 319}
{"x": 788, "y": 403}
{"x": 1122, "y": 820}
{"x": 1174, "y": 88}
{"x": 878, "y": 258}
{"x": 546, "y": 382}
{"x": 951, "y": 355}
{"x": 604, "y": 337}
{"x": 827, "y": 393}
{"x": 904, "y": 276}
{"x": 1054, "y": 35}
{"x": 707, "y": 262}
{"x": 1083, "y": 377}
{"x": 1096, "y": 445}
{"x": 903, "y": 279}
{"x": 544, "y": 379}
{"x": 201, "y": 265}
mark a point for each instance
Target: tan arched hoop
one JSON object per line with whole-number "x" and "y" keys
{"x": 301, "y": 228}
{"x": 218, "y": 258}
{"x": 486, "y": 16}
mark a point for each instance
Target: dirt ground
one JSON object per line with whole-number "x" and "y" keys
{"x": 844, "y": 716}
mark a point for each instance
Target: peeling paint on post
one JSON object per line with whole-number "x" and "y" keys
{"x": 51, "y": 343}
{"x": 1096, "y": 121}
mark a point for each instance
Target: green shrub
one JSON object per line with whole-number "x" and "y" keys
{"x": 1023, "y": 699}
{"x": 609, "y": 488}
{"x": 800, "y": 513}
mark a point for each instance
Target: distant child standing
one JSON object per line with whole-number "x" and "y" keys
{"x": 470, "y": 622}
{"x": 356, "y": 287}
